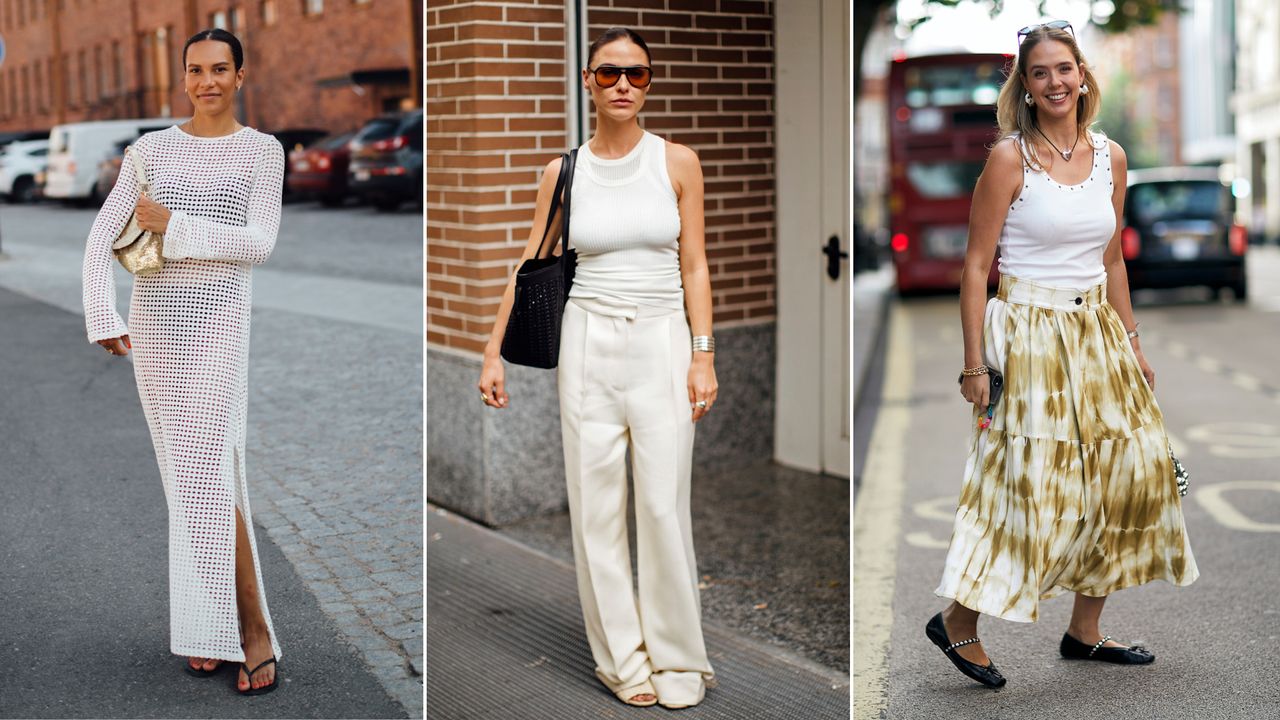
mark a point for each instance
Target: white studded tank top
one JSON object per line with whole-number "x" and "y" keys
{"x": 1056, "y": 234}
{"x": 625, "y": 226}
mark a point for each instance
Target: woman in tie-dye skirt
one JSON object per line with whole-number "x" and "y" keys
{"x": 1069, "y": 484}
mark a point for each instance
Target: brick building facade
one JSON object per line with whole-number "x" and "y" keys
{"x": 503, "y": 97}
{"x": 329, "y": 64}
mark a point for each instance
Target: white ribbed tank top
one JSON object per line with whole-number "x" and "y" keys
{"x": 625, "y": 225}
{"x": 1056, "y": 234}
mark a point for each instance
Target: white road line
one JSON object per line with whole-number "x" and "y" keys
{"x": 1207, "y": 364}
{"x": 876, "y": 524}
{"x": 1246, "y": 381}
{"x": 1211, "y": 499}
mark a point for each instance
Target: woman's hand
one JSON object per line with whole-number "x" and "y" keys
{"x": 117, "y": 346}
{"x": 152, "y": 215}
{"x": 702, "y": 383}
{"x": 493, "y": 377}
{"x": 977, "y": 390}
{"x": 1147, "y": 372}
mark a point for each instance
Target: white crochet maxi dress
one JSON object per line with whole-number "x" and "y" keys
{"x": 189, "y": 327}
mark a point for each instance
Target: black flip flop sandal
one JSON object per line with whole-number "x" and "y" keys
{"x": 275, "y": 682}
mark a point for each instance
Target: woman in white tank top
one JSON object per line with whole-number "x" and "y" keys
{"x": 631, "y": 379}
{"x": 1069, "y": 483}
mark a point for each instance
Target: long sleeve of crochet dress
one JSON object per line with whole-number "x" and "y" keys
{"x": 189, "y": 327}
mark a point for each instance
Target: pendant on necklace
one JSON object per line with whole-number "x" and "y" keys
{"x": 1066, "y": 155}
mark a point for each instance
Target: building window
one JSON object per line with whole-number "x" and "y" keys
{"x": 1164, "y": 52}
{"x": 86, "y": 92}
{"x": 64, "y": 79}
{"x": 166, "y": 63}
{"x": 117, "y": 67}
{"x": 157, "y": 72}
{"x": 235, "y": 20}
{"x": 51, "y": 78}
{"x": 218, "y": 19}
{"x": 312, "y": 7}
{"x": 268, "y": 12}
{"x": 41, "y": 107}
{"x": 26, "y": 90}
{"x": 103, "y": 78}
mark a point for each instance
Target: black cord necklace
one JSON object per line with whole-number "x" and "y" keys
{"x": 1066, "y": 154}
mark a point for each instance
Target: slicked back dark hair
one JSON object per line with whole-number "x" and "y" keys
{"x": 617, "y": 33}
{"x": 220, "y": 35}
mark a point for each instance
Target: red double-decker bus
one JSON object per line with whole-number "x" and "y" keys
{"x": 942, "y": 120}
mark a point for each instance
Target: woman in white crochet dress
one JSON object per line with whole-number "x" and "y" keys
{"x": 631, "y": 377}
{"x": 215, "y": 194}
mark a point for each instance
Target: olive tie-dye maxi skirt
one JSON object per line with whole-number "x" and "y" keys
{"x": 1071, "y": 487}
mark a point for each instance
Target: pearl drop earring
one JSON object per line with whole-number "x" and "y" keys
{"x": 1084, "y": 89}
{"x": 1027, "y": 99}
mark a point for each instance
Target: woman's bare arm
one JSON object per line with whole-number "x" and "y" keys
{"x": 1113, "y": 258}
{"x": 686, "y": 176}
{"x": 997, "y": 188}
{"x": 492, "y": 374}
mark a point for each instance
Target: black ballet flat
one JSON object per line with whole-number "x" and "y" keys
{"x": 1073, "y": 649}
{"x": 986, "y": 674}
{"x": 275, "y": 682}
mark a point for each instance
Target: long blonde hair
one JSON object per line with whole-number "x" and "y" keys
{"x": 1013, "y": 113}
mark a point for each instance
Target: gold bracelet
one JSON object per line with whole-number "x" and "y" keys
{"x": 970, "y": 372}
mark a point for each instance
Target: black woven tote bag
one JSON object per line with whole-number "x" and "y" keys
{"x": 542, "y": 284}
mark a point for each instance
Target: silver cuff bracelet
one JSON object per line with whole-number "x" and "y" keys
{"x": 704, "y": 343}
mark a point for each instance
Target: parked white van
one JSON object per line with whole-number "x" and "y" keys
{"x": 21, "y": 162}
{"x": 75, "y": 149}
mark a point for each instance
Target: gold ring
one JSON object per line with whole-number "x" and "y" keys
{"x": 702, "y": 404}
{"x": 484, "y": 398}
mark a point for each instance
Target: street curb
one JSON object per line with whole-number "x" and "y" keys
{"x": 873, "y": 293}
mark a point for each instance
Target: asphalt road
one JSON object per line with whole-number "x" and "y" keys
{"x": 1214, "y": 641}
{"x": 84, "y": 603}
{"x": 355, "y": 241}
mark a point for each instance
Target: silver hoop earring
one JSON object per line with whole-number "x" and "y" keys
{"x": 1084, "y": 89}
{"x": 1027, "y": 99}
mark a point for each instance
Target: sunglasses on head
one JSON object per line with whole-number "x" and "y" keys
{"x": 607, "y": 76}
{"x": 1052, "y": 25}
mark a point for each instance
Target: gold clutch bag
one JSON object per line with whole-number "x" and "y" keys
{"x": 139, "y": 251}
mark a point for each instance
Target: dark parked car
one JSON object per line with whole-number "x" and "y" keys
{"x": 320, "y": 169}
{"x": 1179, "y": 231}
{"x": 386, "y": 160}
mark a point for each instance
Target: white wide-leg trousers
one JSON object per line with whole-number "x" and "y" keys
{"x": 623, "y": 377}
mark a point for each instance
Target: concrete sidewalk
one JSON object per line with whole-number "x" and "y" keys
{"x": 84, "y": 602}
{"x": 505, "y": 632}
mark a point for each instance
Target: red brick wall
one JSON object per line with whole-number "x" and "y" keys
{"x": 283, "y": 61}
{"x": 495, "y": 105}
{"x": 489, "y": 136}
